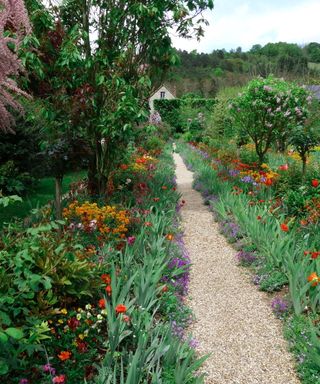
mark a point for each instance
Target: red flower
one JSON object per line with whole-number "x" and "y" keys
{"x": 121, "y": 308}
{"x": 314, "y": 255}
{"x": 73, "y": 323}
{"x": 283, "y": 167}
{"x": 61, "y": 379}
{"x": 148, "y": 224}
{"x": 124, "y": 166}
{"x": 164, "y": 187}
{"x": 156, "y": 199}
{"x": 268, "y": 182}
{"x": 106, "y": 278}
{"x": 108, "y": 290}
{"x": 284, "y": 227}
{"x": 314, "y": 279}
{"x": 142, "y": 186}
{"x": 126, "y": 318}
{"x": 259, "y": 217}
{"x": 102, "y": 303}
{"x": 315, "y": 183}
{"x": 64, "y": 355}
{"x": 82, "y": 346}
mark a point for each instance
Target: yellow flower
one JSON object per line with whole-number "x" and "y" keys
{"x": 63, "y": 311}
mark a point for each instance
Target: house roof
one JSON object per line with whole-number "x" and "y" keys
{"x": 165, "y": 86}
{"x": 315, "y": 90}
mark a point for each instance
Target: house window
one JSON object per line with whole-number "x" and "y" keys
{"x": 162, "y": 95}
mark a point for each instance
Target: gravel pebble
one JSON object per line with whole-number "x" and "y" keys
{"x": 234, "y": 322}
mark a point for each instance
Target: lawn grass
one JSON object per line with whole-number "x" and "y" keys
{"x": 40, "y": 195}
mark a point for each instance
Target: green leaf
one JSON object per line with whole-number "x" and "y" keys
{"x": 15, "y": 333}
{"x": 4, "y": 368}
{"x": 3, "y": 337}
{"x": 5, "y": 319}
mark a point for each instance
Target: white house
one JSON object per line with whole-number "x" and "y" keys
{"x": 161, "y": 93}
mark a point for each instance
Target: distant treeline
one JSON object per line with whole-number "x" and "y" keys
{"x": 206, "y": 73}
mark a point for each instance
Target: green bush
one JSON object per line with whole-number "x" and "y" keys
{"x": 14, "y": 181}
{"x": 176, "y": 112}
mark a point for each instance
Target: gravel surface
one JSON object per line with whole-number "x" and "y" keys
{"x": 234, "y": 322}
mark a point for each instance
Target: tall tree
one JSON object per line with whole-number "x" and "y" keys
{"x": 123, "y": 46}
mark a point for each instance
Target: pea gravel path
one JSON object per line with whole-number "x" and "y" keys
{"x": 234, "y": 321}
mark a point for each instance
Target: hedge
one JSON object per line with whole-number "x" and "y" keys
{"x": 170, "y": 109}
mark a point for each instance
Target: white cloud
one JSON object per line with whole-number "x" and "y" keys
{"x": 246, "y": 24}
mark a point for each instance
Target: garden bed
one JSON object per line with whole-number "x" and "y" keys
{"x": 281, "y": 249}
{"x": 99, "y": 296}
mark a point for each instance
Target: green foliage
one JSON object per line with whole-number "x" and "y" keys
{"x": 170, "y": 111}
{"x": 220, "y": 122}
{"x": 186, "y": 114}
{"x": 13, "y": 181}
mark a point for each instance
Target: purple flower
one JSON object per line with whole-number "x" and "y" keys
{"x": 131, "y": 240}
{"x": 279, "y": 306}
{"x": 247, "y": 179}
{"x": 246, "y": 257}
{"x": 234, "y": 172}
{"x": 193, "y": 343}
{"x": 48, "y": 368}
{"x": 24, "y": 381}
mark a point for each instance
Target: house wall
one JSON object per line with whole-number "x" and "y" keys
{"x": 156, "y": 96}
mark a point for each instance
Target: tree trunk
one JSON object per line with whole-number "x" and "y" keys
{"x": 304, "y": 166}
{"x": 58, "y": 197}
{"x": 92, "y": 176}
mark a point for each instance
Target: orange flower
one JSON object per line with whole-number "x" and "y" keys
{"x": 303, "y": 222}
{"x": 314, "y": 279}
{"x": 284, "y": 227}
{"x": 148, "y": 224}
{"x": 164, "y": 187}
{"x": 102, "y": 303}
{"x": 315, "y": 183}
{"x": 124, "y": 166}
{"x": 64, "y": 355}
{"x": 268, "y": 182}
{"x": 121, "y": 308}
{"x": 165, "y": 288}
{"x": 106, "y": 278}
{"x": 108, "y": 290}
{"x": 169, "y": 236}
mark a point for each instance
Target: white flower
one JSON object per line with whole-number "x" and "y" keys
{"x": 88, "y": 307}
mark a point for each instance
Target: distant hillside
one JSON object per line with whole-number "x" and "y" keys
{"x": 206, "y": 73}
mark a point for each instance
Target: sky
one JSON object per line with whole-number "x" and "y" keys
{"x": 243, "y": 23}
